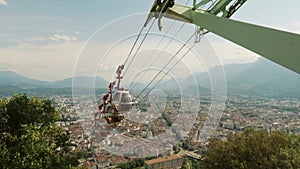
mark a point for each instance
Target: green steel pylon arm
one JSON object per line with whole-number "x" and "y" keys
{"x": 279, "y": 46}
{"x": 276, "y": 45}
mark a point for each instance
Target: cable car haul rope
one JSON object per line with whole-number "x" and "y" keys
{"x": 114, "y": 104}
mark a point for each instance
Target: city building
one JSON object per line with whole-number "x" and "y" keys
{"x": 169, "y": 162}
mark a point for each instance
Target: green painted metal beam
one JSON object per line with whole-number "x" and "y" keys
{"x": 276, "y": 45}
{"x": 198, "y": 5}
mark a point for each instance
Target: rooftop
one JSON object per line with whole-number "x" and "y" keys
{"x": 163, "y": 159}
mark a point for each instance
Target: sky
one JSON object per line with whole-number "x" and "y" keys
{"x": 43, "y": 39}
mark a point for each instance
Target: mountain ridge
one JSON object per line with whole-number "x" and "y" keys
{"x": 261, "y": 77}
{"x": 10, "y": 78}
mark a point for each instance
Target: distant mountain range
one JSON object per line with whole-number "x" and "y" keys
{"x": 260, "y": 78}
{"x": 9, "y": 78}
{"x": 12, "y": 83}
{"x": 265, "y": 78}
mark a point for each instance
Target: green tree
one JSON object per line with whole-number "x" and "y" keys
{"x": 29, "y": 136}
{"x": 254, "y": 149}
{"x": 136, "y": 163}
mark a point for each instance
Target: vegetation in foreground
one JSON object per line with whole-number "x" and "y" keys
{"x": 254, "y": 149}
{"x": 29, "y": 136}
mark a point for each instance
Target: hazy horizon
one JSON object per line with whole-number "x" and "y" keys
{"x": 43, "y": 39}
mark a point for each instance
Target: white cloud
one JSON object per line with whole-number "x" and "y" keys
{"x": 76, "y": 32}
{"x": 54, "y": 61}
{"x": 48, "y": 62}
{"x": 62, "y": 38}
{"x": 230, "y": 53}
{"x": 3, "y": 2}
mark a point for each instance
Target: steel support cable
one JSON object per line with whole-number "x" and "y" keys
{"x": 168, "y": 71}
{"x": 153, "y": 52}
{"x": 165, "y": 34}
{"x": 190, "y": 48}
{"x": 165, "y": 65}
{"x": 137, "y": 38}
{"x": 157, "y": 56}
{"x": 160, "y": 41}
{"x": 141, "y": 42}
{"x": 167, "y": 45}
{"x": 136, "y": 52}
{"x": 146, "y": 35}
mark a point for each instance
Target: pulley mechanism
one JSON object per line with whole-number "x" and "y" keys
{"x": 158, "y": 8}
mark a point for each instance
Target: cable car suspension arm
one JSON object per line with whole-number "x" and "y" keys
{"x": 276, "y": 45}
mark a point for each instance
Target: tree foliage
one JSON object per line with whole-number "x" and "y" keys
{"x": 192, "y": 164}
{"x": 254, "y": 149}
{"x": 29, "y": 136}
{"x": 132, "y": 164}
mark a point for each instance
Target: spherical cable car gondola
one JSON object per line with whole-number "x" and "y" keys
{"x": 115, "y": 104}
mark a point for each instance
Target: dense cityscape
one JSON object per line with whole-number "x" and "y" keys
{"x": 100, "y": 144}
